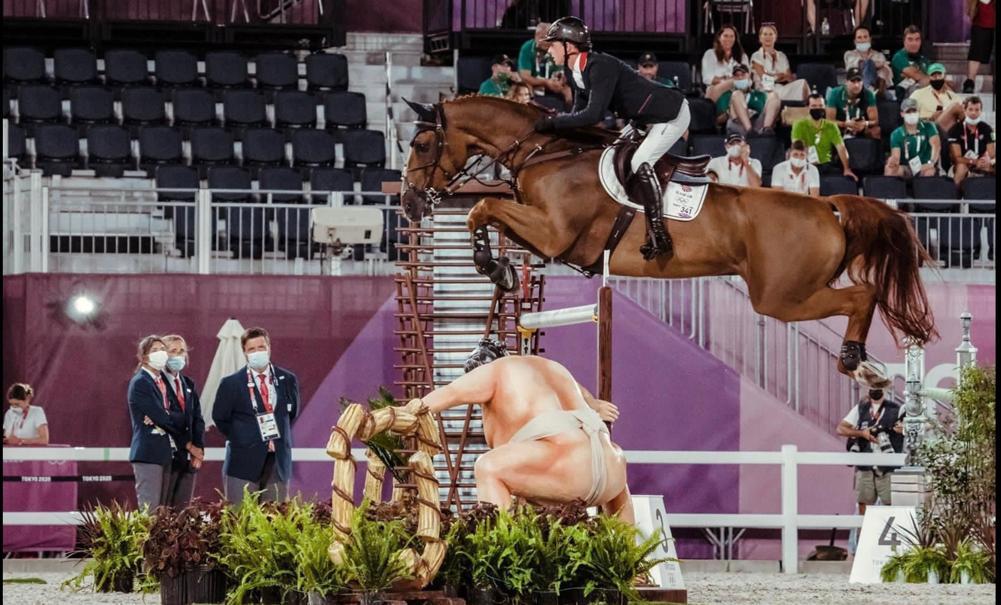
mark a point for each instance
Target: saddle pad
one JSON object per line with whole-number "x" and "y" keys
{"x": 681, "y": 202}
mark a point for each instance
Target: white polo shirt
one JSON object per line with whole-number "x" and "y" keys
{"x": 16, "y": 424}
{"x": 783, "y": 177}
{"x": 730, "y": 173}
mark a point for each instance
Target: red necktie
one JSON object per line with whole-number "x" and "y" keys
{"x": 265, "y": 394}
{"x": 163, "y": 392}
{"x": 179, "y": 391}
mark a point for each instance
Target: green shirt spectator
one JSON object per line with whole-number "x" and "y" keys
{"x": 501, "y": 75}
{"x": 914, "y": 144}
{"x": 823, "y": 135}
{"x": 755, "y": 100}
{"x": 902, "y": 60}
{"x": 530, "y": 59}
{"x": 838, "y": 99}
{"x": 496, "y": 87}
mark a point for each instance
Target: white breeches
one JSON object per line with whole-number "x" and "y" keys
{"x": 660, "y": 138}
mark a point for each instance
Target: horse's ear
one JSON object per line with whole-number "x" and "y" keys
{"x": 425, "y": 112}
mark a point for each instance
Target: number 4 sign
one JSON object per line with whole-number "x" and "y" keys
{"x": 879, "y": 538}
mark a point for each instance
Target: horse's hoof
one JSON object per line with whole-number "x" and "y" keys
{"x": 504, "y": 276}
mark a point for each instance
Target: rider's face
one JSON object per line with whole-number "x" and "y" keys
{"x": 558, "y": 53}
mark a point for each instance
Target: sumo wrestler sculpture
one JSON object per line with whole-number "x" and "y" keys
{"x": 548, "y": 442}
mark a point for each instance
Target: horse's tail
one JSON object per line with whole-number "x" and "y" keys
{"x": 882, "y": 250}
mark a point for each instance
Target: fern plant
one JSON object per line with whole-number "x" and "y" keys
{"x": 315, "y": 572}
{"x": 112, "y": 538}
{"x": 613, "y": 555}
{"x": 972, "y": 562}
{"x": 372, "y": 560}
{"x": 503, "y": 553}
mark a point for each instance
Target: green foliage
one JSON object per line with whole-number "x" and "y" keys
{"x": 112, "y": 538}
{"x": 315, "y": 572}
{"x": 504, "y": 553}
{"x": 383, "y": 444}
{"x": 372, "y": 559}
{"x": 893, "y": 567}
{"x": 24, "y": 581}
{"x": 612, "y": 556}
{"x": 971, "y": 559}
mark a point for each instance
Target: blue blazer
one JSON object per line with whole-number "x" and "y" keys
{"x": 194, "y": 424}
{"x": 145, "y": 401}
{"x": 237, "y": 420}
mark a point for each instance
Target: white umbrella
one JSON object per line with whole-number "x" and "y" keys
{"x": 228, "y": 359}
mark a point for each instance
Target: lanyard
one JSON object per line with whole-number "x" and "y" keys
{"x": 729, "y": 168}
{"x": 24, "y": 418}
{"x": 976, "y": 140}
{"x": 802, "y": 177}
{"x": 252, "y": 387}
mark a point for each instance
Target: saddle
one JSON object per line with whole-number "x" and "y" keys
{"x": 670, "y": 167}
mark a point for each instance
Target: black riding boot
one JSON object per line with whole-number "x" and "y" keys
{"x": 645, "y": 189}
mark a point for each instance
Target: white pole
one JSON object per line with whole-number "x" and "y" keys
{"x": 43, "y": 248}
{"x": 560, "y": 317}
{"x": 205, "y": 229}
{"x": 790, "y": 509}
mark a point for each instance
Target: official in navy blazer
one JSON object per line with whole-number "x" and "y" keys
{"x": 183, "y": 396}
{"x": 258, "y": 445}
{"x": 156, "y": 428}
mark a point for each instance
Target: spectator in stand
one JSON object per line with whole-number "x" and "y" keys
{"x": 971, "y": 143}
{"x": 156, "y": 428}
{"x": 772, "y": 71}
{"x": 822, "y": 138}
{"x": 876, "y": 71}
{"x": 647, "y": 66}
{"x": 254, "y": 409}
{"x": 183, "y": 396}
{"x": 916, "y": 143}
{"x": 24, "y": 424}
{"x": 860, "y": 13}
{"x": 501, "y": 77}
{"x": 737, "y": 167}
{"x": 718, "y": 62}
{"x": 937, "y": 102}
{"x": 537, "y": 69}
{"x": 746, "y": 109}
{"x": 981, "y": 39}
{"x": 855, "y": 107}
{"x": 870, "y": 426}
{"x": 520, "y": 92}
{"x": 796, "y": 174}
{"x": 910, "y": 67}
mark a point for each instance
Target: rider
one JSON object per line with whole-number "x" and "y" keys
{"x": 602, "y": 83}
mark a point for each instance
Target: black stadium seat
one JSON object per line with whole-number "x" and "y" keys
{"x": 885, "y": 187}
{"x": 263, "y": 147}
{"x": 470, "y": 72}
{"x": 820, "y": 76}
{"x": 312, "y": 148}
{"x": 708, "y": 144}
{"x": 109, "y": 150}
{"x": 243, "y": 109}
{"x": 16, "y": 142}
{"x": 324, "y": 180}
{"x": 176, "y": 68}
{"x": 277, "y": 71}
{"x": 23, "y": 65}
{"x": 225, "y": 69}
{"x": 864, "y": 156}
{"x": 344, "y": 109}
{"x": 193, "y": 107}
{"x": 280, "y": 178}
{"x": 6, "y": 102}
{"x": 703, "y": 116}
{"x": 57, "y": 149}
{"x": 92, "y": 105}
{"x": 935, "y": 188}
{"x": 159, "y": 145}
{"x": 75, "y": 66}
{"x": 676, "y": 69}
{"x": 184, "y": 179}
{"x": 245, "y": 226}
{"x": 838, "y": 184}
{"x": 125, "y": 67}
{"x": 39, "y": 103}
{"x": 327, "y": 71}
{"x": 766, "y": 150}
{"x": 363, "y": 148}
{"x": 372, "y": 180}
{"x": 295, "y": 109}
{"x": 211, "y": 146}
{"x": 293, "y": 223}
{"x": 983, "y": 188}
{"x": 143, "y": 105}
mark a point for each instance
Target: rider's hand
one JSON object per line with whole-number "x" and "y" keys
{"x": 545, "y": 125}
{"x": 607, "y": 410}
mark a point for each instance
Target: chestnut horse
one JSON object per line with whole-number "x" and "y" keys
{"x": 790, "y": 249}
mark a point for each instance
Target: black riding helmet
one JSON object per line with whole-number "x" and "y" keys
{"x": 570, "y": 29}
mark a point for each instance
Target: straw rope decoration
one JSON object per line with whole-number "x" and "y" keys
{"x": 412, "y": 420}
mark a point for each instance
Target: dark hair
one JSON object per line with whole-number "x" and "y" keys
{"x": 142, "y": 350}
{"x": 972, "y": 100}
{"x": 254, "y": 333}
{"x": 738, "y": 50}
{"x": 815, "y": 95}
{"x": 797, "y": 145}
{"x": 911, "y": 29}
{"x": 20, "y": 391}
{"x": 860, "y": 28}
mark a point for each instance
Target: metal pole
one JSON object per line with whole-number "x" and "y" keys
{"x": 43, "y": 248}
{"x": 17, "y": 232}
{"x": 204, "y": 230}
{"x": 966, "y": 353}
{"x": 914, "y": 423}
{"x": 790, "y": 510}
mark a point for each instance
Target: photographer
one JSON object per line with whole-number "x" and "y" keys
{"x": 874, "y": 425}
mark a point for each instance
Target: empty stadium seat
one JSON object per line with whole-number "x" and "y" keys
{"x": 676, "y": 69}
{"x": 243, "y": 108}
{"x": 293, "y": 223}
{"x": 838, "y": 185}
{"x": 324, "y": 180}
{"x": 312, "y": 148}
{"x": 888, "y": 114}
{"x": 143, "y": 105}
{"x": 703, "y": 119}
{"x": 980, "y": 188}
{"x": 184, "y": 181}
{"x": 125, "y": 67}
{"x": 294, "y": 109}
{"x": 885, "y": 187}
{"x": 864, "y": 156}
{"x": 225, "y": 69}
{"x": 327, "y": 71}
{"x": 6, "y": 102}
{"x": 244, "y": 226}
{"x": 708, "y": 144}
{"x": 470, "y": 72}
{"x": 109, "y": 150}
{"x": 372, "y": 180}
{"x": 38, "y": 103}
{"x": 57, "y": 149}
{"x": 277, "y": 71}
{"x": 820, "y": 76}
{"x": 92, "y": 105}
{"x": 767, "y": 150}
{"x": 211, "y": 146}
{"x": 176, "y": 68}
{"x": 363, "y": 148}
{"x": 159, "y": 145}
{"x": 280, "y": 178}
{"x": 263, "y": 147}
{"x": 344, "y": 109}
{"x": 934, "y": 188}
{"x": 23, "y": 65}
{"x": 75, "y": 66}
{"x": 193, "y": 107}
{"x": 16, "y": 142}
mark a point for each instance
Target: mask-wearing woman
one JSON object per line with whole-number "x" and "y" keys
{"x": 772, "y": 71}
{"x": 24, "y": 423}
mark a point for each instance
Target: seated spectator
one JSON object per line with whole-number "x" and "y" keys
{"x": 500, "y": 78}
{"x": 24, "y": 424}
{"x": 916, "y": 143}
{"x": 910, "y": 67}
{"x": 647, "y": 66}
{"x": 520, "y": 92}
{"x": 737, "y": 167}
{"x": 971, "y": 143}
{"x": 746, "y": 109}
{"x": 772, "y": 71}
{"x": 876, "y": 71}
{"x": 855, "y": 105}
{"x": 937, "y": 102}
{"x": 718, "y": 62}
{"x": 982, "y": 25}
{"x": 537, "y": 69}
{"x": 822, "y": 138}
{"x": 796, "y": 174}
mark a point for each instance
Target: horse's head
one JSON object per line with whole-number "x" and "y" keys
{"x": 430, "y": 167}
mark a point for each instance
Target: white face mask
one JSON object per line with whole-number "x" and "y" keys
{"x": 258, "y": 360}
{"x": 911, "y": 118}
{"x": 158, "y": 360}
{"x": 797, "y": 162}
{"x": 863, "y": 46}
{"x": 972, "y": 121}
{"x": 733, "y": 151}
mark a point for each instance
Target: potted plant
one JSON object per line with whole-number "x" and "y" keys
{"x": 610, "y": 558}
{"x": 112, "y": 538}
{"x": 316, "y": 575}
{"x": 455, "y": 574}
{"x": 925, "y": 559}
{"x": 561, "y": 527}
{"x": 971, "y": 564}
{"x": 502, "y": 555}
{"x": 181, "y": 553}
{"x": 372, "y": 554}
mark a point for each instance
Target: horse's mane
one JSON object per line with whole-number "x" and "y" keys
{"x": 531, "y": 112}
